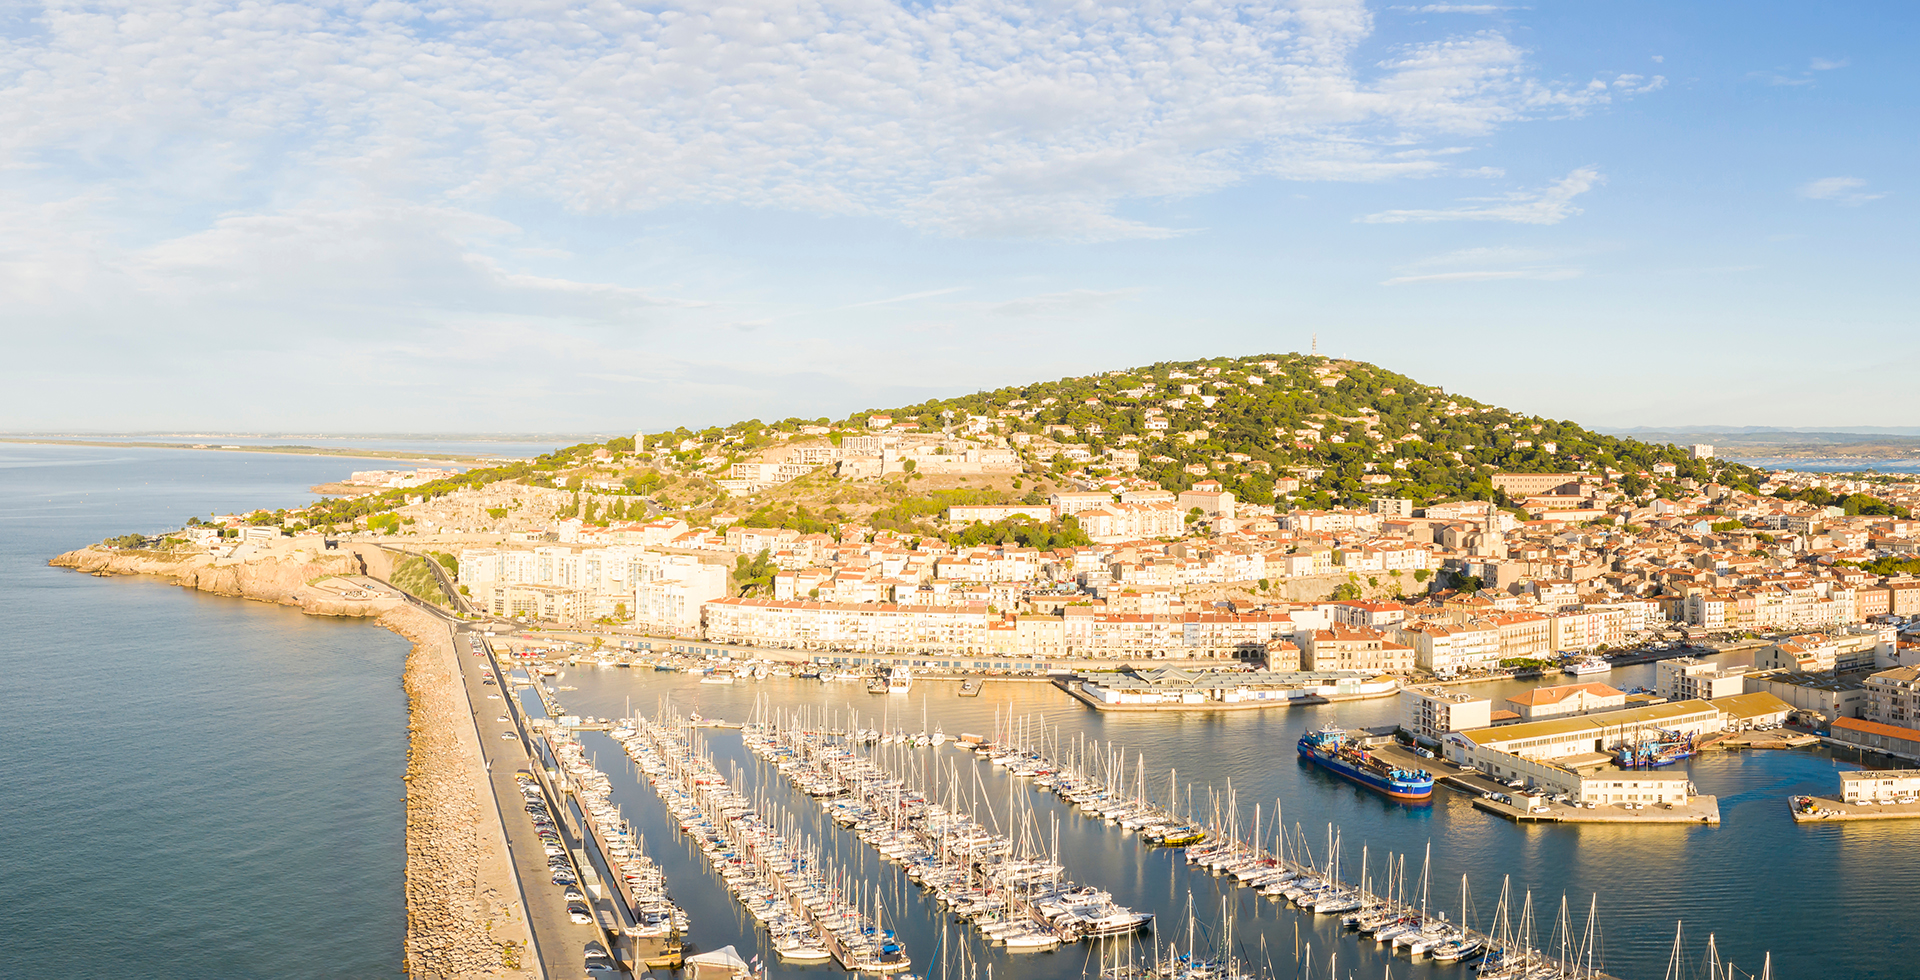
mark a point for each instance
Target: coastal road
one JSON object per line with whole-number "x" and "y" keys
{"x": 559, "y": 940}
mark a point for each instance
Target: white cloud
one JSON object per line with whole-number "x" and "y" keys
{"x": 1823, "y": 64}
{"x": 966, "y": 117}
{"x": 1849, "y": 191}
{"x": 1548, "y": 206}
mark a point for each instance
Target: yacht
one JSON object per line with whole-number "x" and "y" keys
{"x": 1587, "y": 665}
{"x": 899, "y": 681}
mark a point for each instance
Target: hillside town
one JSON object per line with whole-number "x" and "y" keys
{"x": 967, "y": 535}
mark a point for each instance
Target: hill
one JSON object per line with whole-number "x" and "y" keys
{"x": 1297, "y": 414}
{"x": 1282, "y": 428}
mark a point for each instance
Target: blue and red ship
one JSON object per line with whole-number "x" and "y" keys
{"x": 1330, "y": 748}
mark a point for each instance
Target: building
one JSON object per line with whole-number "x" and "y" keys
{"x": 1429, "y": 714}
{"x": 1566, "y": 699}
{"x": 1822, "y": 699}
{"x": 1073, "y": 502}
{"x": 1700, "y": 450}
{"x": 1893, "y": 740}
{"x": 1587, "y": 735}
{"x": 1879, "y": 785}
{"x": 1532, "y": 484}
{"x": 1355, "y": 648}
{"x": 671, "y": 591}
{"x": 1756, "y": 710}
{"x": 993, "y": 513}
{"x": 1893, "y": 696}
{"x": 1391, "y": 506}
{"x": 1211, "y": 503}
{"x": 1690, "y": 678}
{"x": 1445, "y": 650}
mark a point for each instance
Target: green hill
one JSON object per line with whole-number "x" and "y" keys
{"x": 1432, "y": 444}
{"x": 1348, "y": 431}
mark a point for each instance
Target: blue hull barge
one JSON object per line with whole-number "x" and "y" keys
{"x": 1330, "y": 748}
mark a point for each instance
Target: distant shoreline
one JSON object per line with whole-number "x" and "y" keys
{"x": 385, "y": 455}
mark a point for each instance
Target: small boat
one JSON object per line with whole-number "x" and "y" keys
{"x": 970, "y": 688}
{"x": 717, "y": 676}
{"x": 899, "y": 681}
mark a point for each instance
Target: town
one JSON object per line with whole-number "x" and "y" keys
{"x": 1115, "y": 522}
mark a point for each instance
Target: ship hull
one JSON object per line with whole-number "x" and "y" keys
{"x": 1379, "y": 784}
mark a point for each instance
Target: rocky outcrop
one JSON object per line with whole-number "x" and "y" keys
{"x": 289, "y": 580}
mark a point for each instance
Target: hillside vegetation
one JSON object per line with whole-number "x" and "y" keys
{"x": 1347, "y": 431}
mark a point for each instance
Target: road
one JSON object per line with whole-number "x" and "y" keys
{"x": 558, "y": 941}
{"x": 558, "y": 938}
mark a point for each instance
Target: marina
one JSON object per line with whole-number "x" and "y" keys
{"x": 1066, "y": 779}
{"x": 811, "y": 910}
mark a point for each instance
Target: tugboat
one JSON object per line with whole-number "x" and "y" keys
{"x": 1330, "y": 748}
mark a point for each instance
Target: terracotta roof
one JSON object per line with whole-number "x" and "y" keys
{"x": 1878, "y": 728}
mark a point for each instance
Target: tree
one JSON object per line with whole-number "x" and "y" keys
{"x": 756, "y": 573}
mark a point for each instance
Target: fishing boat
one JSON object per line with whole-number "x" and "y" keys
{"x": 1587, "y": 665}
{"x": 1330, "y": 748}
{"x": 970, "y": 688}
{"x": 1651, "y": 749}
{"x": 717, "y": 676}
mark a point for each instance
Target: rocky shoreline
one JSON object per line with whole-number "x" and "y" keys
{"x": 463, "y": 914}
{"x": 296, "y": 579}
{"x": 463, "y": 910}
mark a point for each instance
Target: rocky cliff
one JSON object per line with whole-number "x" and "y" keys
{"x": 302, "y": 579}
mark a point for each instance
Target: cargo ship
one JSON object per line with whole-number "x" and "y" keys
{"x": 1332, "y": 749}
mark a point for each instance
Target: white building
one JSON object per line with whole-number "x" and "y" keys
{"x": 1689, "y": 678}
{"x": 1430, "y": 713}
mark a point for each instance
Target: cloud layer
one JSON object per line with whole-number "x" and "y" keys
{"x": 1548, "y": 206}
{"x": 980, "y": 117}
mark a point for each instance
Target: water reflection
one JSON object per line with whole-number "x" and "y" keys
{"x": 1643, "y": 878}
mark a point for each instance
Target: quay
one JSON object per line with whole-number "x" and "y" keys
{"x": 1487, "y": 792}
{"x": 1179, "y": 689}
{"x": 1865, "y": 794}
{"x": 1827, "y": 809}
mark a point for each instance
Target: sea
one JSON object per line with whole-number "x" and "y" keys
{"x": 195, "y": 786}
{"x": 199, "y": 786}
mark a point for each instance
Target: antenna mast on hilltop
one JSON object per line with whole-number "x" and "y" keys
{"x": 1316, "y": 344}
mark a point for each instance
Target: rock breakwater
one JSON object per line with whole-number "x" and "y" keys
{"x": 463, "y": 916}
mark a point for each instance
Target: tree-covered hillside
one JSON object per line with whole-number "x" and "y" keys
{"x": 1292, "y": 415}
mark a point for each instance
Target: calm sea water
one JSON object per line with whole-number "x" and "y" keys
{"x": 1826, "y": 900}
{"x": 195, "y": 786}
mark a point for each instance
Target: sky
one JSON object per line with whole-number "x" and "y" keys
{"x": 597, "y": 215}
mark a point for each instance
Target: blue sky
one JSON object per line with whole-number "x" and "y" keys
{"x": 563, "y": 215}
